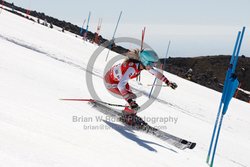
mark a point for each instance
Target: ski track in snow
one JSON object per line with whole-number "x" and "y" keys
{"x": 33, "y": 48}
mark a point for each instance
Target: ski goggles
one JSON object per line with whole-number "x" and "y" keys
{"x": 150, "y": 63}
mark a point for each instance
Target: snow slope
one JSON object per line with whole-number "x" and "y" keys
{"x": 38, "y": 66}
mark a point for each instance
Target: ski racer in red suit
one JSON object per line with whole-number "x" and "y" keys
{"x": 116, "y": 79}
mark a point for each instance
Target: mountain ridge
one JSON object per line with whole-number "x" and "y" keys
{"x": 210, "y": 71}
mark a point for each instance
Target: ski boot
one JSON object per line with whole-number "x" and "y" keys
{"x": 128, "y": 117}
{"x": 129, "y": 113}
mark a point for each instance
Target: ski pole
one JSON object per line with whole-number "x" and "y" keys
{"x": 157, "y": 85}
{"x": 92, "y": 100}
{"x": 162, "y": 67}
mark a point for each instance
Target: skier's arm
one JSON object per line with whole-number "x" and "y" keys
{"x": 123, "y": 81}
{"x": 161, "y": 77}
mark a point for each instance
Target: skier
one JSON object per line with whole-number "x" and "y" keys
{"x": 116, "y": 79}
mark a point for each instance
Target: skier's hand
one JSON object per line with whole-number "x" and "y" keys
{"x": 173, "y": 85}
{"x": 133, "y": 104}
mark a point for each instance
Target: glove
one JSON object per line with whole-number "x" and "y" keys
{"x": 173, "y": 85}
{"x": 133, "y": 105}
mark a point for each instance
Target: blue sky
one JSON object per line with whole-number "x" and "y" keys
{"x": 195, "y": 27}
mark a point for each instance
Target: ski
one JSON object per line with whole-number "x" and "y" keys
{"x": 144, "y": 127}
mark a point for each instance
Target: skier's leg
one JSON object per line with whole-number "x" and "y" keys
{"x": 128, "y": 113}
{"x": 111, "y": 85}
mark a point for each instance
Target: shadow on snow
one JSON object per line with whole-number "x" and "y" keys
{"x": 129, "y": 133}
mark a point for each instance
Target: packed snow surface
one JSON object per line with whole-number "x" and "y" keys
{"x": 39, "y": 66}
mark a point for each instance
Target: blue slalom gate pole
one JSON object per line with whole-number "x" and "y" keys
{"x": 238, "y": 50}
{"x": 216, "y": 141}
{"x": 81, "y": 30}
{"x": 87, "y": 27}
{"x": 230, "y": 85}
{"x": 219, "y": 111}
{"x": 117, "y": 24}
{"x": 113, "y": 35}
{"x": 164, "y": 64}
{"x": 162, "y": 69}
